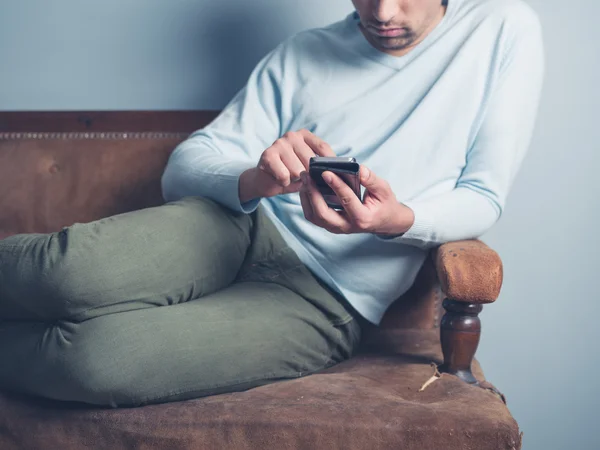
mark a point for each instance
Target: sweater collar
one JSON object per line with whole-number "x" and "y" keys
{"x": 398, "y": 62}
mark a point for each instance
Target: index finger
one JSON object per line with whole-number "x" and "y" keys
{"x": 317, "y": 145}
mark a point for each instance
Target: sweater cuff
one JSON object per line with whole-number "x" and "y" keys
{"x": 226, "y": 188}
{"x": 421, "y": 233}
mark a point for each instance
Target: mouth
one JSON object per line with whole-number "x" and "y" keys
{"x": 389, "y": 32}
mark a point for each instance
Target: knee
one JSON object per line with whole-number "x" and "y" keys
{"x": 61, "y": 277}
{"x": 91, "y": 374}
{"x": 196, "y": 206}
{"x": 207, "y": 214}
{"x": 57, "y": 362}
{"x": 41, "y": 273}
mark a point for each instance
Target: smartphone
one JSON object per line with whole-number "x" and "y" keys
{"x": 345, "y": 167}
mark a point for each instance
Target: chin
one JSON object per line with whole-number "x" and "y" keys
{"x": 395, "y": 44}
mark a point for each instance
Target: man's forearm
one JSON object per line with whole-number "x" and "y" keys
{"x": 196, "y": 170}
{"x": 456, "y": 215}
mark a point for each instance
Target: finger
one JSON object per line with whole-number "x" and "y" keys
{"x": 318, "y": 145}
{"x": 350, "y": 202}
{"x": 303, "y": 153}
{"x": 372, "y": 182}
{"x": 306, "y": 204}
{"x": 294, "y": 187}
{"x": 294, "y": 165}
{"x": 273, "y": 165}
{"x": 295, "y": 140}
{"x": 323, "y": 215}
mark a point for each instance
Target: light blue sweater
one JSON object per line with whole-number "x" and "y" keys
{"x": 447, "y": 125}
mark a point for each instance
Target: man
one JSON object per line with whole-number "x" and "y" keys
{"x": 211, "y": 293}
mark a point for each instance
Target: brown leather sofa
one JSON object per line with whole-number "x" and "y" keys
{"x": 401, "y": 391}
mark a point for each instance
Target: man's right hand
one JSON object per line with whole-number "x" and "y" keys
{"x": 279, "y": 168}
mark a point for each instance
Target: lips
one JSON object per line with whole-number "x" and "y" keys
{"x": 389, "y": 32}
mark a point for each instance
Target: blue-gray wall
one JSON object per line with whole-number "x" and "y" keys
{"x": 539, "y": 342}
{"x": 141, "y": 54}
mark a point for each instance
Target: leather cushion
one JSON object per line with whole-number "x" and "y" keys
{"x": 46, "y": 184}
{"x": 371, "y": 401}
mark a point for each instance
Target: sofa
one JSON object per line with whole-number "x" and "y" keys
{"x": 414, "y": 384}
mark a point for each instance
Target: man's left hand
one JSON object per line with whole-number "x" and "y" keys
{"x": 379, "y": 212}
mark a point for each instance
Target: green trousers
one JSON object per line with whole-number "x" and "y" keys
{"x": 175, "y": 302}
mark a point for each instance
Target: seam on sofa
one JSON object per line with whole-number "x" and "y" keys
{"x": 110, "y": 135}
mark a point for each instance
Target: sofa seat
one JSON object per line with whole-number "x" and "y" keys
{"x": 369, "y": 402}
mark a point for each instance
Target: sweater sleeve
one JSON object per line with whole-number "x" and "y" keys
{"x": 210, "y": 162}
{"x": 496, "y": 154}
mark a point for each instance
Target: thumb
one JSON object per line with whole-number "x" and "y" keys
{"x": 376, "y": 187}
{"x": 293, "y": 187}
{"x": 370, "y": 181}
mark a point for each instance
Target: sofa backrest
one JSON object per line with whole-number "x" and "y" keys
{"x": 50, "y": 182}
{"x": 60, "y": 168}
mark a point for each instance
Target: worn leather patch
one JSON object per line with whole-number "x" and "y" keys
{"x": 469, "y": 271}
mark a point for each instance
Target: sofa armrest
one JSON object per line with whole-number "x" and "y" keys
{"x": 470, "y": 275}
{"x": 469, "y": 271}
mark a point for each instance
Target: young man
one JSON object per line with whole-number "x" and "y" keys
{"x": 245, "y": 276}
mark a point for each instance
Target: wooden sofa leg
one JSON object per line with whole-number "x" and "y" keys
{"x": 460, "y": 332}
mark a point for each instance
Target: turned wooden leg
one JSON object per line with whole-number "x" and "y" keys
{"x": 460, "y": 331}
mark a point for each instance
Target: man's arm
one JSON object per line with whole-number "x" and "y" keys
{"x": 497, "y": 152}
{"x": 209, "y": 163}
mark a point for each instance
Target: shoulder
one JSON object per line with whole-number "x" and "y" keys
{"x": 521, "y": 32}
{"x": 513, "y": 26}
{"x": 304, "y": 52}
{"x": 515, "y": 17}
{"x": 315, "y": 39}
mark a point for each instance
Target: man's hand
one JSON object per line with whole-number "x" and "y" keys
{"x": 278, "y": 171}
{"x": 380, "y": 213}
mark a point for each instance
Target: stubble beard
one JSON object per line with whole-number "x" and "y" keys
{"x": 396, "y": 43}
{"x": 392, "y": 43}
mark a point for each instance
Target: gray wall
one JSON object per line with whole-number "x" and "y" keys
{"x": 539, "y": 339}
{"x": 141, "y": 54}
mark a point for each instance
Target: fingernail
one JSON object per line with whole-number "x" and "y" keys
{"x": 327, "y": 177}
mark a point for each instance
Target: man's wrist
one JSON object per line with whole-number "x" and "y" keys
{"x": 406, "y": 218}
{"x": 247, "y": 186}
{"x": 402, "y": 220}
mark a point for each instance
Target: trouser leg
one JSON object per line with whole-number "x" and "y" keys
{"x": 243, "y": 336}
{"x": 153, "y": 257}
{"x": 275, "y": 322}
